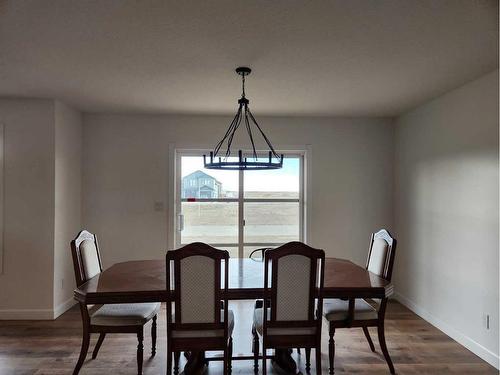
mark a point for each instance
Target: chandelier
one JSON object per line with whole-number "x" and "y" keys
{"x": 222, "y": 160}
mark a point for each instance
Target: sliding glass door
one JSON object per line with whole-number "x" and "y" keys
{"x": 239, "y": 210}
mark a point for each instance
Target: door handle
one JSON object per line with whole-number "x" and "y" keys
{"x": 180, "y": 222}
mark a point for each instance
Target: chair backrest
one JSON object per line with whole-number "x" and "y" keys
{"x": 197, "y": 287}
{"x": 86, "y": 257}
{"x": 381, "y": 254}
{"x": 296, "y": 283}
{"x": 261, "y": 250}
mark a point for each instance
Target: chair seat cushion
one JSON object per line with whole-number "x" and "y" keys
{"x": 207, "y": 332}
{"x": 258, "y": 317}
{"x": 337, "y": 309}
{"x": 124, "y": 314}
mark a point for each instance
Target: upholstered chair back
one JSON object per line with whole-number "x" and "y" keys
{"x": 381, "y": 254}
{"x": 194, "y": 274}
{"x": 293, "y": 287}
{"x": 86, "y": 257}
{"x": 90, "y": 258}
{"x": 293, "y": 276}
{"x": 197, "y": 289}
{"x": 378, "y": 257}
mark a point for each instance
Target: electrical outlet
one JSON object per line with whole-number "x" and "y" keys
{"x": 159, "y": 206}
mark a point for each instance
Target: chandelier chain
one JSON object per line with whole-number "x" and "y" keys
{"x": 243, "y": 85}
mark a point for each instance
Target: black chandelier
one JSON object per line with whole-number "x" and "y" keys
{"x": 272, "y": 161}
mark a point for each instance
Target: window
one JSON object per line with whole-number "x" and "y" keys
{"x": 240, "y": 210}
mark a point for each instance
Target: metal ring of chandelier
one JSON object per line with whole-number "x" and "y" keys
{"x": 217, "y": 161}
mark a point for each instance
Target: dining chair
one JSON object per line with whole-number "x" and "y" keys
{"x": 200, "y": 319}
{"x": 261, "y": 250}
{"x": 289, "y": 316}
{"x": 109, "y": 318}
{"x": 360, "y": 312}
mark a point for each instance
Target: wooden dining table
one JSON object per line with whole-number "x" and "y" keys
{"x": 145, "y": 281}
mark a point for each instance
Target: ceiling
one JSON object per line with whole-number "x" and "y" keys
{"x": 344, "y": 58}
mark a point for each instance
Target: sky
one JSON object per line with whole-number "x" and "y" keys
{"x": 284, "y": 179}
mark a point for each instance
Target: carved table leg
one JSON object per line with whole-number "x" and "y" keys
{"x": 283, "y": 359}
{"x": 331, "y": 351}
{"x": 140, "y": 350}
{"x": 196, "y": 363}
{"x": 153, "y": 336}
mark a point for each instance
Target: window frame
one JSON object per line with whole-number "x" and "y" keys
{"x": 304, "y": 182}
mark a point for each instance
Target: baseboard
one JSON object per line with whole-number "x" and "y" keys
{"x": 37, "y": 314}
{"x": 476, "y": 348}
{"x": 27, "y": 314}
{"x": 63, "y": 307}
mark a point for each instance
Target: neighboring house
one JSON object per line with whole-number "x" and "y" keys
{"x": 200, "y": 185}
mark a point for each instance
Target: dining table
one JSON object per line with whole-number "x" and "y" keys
{"x": 145, "y": 281}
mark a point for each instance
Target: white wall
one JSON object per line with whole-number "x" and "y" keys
{"x": 447, "y": 213}
{"x": 67, "y": 210}
{"x": 42, "y": 206}
{"x": 126, "y": 169}
{"x": 26, "y": 284}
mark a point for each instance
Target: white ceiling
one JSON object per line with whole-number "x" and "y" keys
{"x": 308, "y": 57}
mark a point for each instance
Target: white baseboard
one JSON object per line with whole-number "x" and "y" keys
{"x": 27, "y": 314}
{"x": 37, "y": 314}
{"x": 63, "y": 307}
{"x": 476, "y": 348}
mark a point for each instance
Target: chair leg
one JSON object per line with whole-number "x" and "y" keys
{"x": 153, "y": 336}
{"x": 383, "y": 346}
{"x": 226, "y": 362}
{"x": 83, "y": 351}
{"x": 98, "y": 345}
{"x": 255, "y": 348}
{"x": 331, "y": 350}
{"x": 230, "y": 356}
{"x": 318, "y": 359}
{"x": 140, "y": 350}
{"x": 264, "y": 357}
{"x": 169, "y": 362}
{"x": 177, "y": 357}
{"x": 369, "y": 339}
{"x": 298, "y": 351}
{"x": 85, "y": 338}
{"x": 308, "y": 359}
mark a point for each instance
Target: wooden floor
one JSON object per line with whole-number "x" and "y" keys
{"x": 52, "y": 347}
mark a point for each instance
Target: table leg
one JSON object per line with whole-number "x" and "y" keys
{"x": 196, "y": 363}
{"x": 283, "y": 359}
